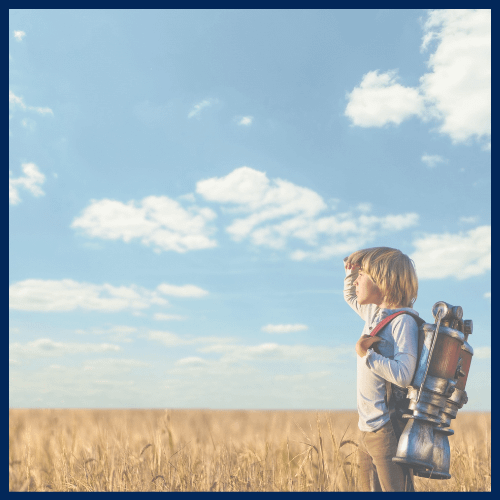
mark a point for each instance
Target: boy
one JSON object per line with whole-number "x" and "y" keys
{"x": 380, "y": 281}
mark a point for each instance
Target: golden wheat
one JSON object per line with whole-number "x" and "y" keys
{"x": 204, "y": 450}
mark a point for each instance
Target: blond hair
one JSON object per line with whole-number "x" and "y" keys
{"x": 392, "y": 271}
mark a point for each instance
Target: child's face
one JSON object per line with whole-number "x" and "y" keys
{"x": 367, "y": 291}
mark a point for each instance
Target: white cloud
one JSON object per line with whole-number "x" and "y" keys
{"x": 271, "y": 213}
{"x": 482, "y": 353}
{"x": 170, "y": 339}
{"x": 469, "y": 220}
{"x": 277, "y": 211}
{"x": 487, "y": 295}
{"x": 19, "y": 35}
{"x": 348, "y": 232}
{"x": 168, "y": 317}
{"x": 28, "y": 123}
{"x": 15, "y": 101}
{"x": 115, "y": 366}
{"x": 284, "y": 328}
{"x": 99, "y": 383}
{"x": 182, "y": 291}
{"x": 116, "y": 333}
{"x": 31, "y": 181}
{"x": 48, "y": 348}
{"x": 300, "y": 377}
{"x": 379, "y": 100}
{"x": 192, "y": 360}
{"x": 246, "y": 120}
{"x": 156, "y": 220}
{"x": 458, "y": 87}
{"x": 456, "y": 91}
{"x": 167, "y": 338}
{"x": 252, "y": 191}
{"x": 433, "y": 160}
{"x": 67, "y": 295}
{"x": 459, "y": 255}
{"x": 278, "y": 352}
{"x": 197, "y": 108}
{"x": 364, "y": 207}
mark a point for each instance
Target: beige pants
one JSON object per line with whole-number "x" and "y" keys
{"x": 377, "y": 470}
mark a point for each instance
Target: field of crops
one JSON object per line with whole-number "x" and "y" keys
{"x": 202, "y": 450}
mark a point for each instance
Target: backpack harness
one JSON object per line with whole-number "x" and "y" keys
{"x": 387, "y": 320}
{"x": 396, "y": 395}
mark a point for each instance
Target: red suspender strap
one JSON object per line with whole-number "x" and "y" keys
{"x": 387, "y": 320}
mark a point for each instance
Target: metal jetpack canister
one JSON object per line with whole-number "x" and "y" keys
{"x": 436, "y": 393}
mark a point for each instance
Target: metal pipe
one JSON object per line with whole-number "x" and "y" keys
{"x": 440, "y": 313}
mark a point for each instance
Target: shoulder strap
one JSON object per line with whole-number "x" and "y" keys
{"x": 384, "y": 322}
{"x": 389, "y": 318}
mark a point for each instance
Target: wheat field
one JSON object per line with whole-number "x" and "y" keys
{"x": 207, "y": 450}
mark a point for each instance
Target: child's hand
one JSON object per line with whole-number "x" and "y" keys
{"x": 349, "y": 266}
{"x": 364, "y": 343}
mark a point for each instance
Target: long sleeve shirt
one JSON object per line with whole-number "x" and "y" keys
{"x": 395, "y": 364}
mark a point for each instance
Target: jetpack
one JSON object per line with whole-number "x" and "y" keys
{"x": 436, "y": 393}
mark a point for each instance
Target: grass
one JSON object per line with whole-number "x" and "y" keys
{"x": 204, "y": 450}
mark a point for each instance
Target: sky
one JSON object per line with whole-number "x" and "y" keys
{"x": 184, "y": 186}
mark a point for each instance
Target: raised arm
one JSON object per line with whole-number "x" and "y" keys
{"x": 351, "y": 273}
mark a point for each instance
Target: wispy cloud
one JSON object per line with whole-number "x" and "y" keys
{"x": 364, "y": 207}
{"x": 15, "y": 102}
{"x": 156, "y": 220}
{"x": 280, "y": 352}
{"x": 31, "y": 181}
{"x": 433, "y": 160}
{"x": 118, "y": 333}
{"x": 300, "y": 377}
{"x": 182, "y": 291}
{"x": 278, "y": 212}
{"x": 274, "y": 213}
{"x": 170, "y": 339}
{"x": 197, "y": 108}
{"x": 284, "y": 328}
{"x": 68, "y": 295}
{"x": 245, "y": 120}
{"x": 28, "y": 123}
{"x": 459, "y": 255}
{"x": 113, "y": 366}
{"x": 469, "y": 220}
{"x": 456, "y": 91}
{"x": 48, "y": 348}
{"x": 168, "y": 317}
{"x": 482, "y": 353}
{"x": 19, "y": 35}
{"x": 191, "y": 360}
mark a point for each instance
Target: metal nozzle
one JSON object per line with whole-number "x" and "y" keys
{"x": 442, "y": 310}
{"x": 468, "y": 327}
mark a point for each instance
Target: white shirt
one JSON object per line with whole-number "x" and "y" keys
{"x": 396, "y": 362}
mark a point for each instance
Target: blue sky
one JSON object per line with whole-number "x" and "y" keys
{"x": 184, "y": 185}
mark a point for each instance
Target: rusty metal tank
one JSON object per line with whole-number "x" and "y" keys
{"x": 447, "y": 351}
